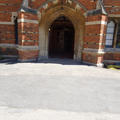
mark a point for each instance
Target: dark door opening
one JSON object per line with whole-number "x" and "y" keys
{"x": 61, "y": 38}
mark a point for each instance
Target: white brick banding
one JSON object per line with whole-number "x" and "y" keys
{"x": 99, "y": 51}
{"x": 114, "y": 15}
{"x": 96, "y": 23}
{"x": 6, "y": 23}
{"x": 112, "y": 50}
{"x": 111, "y": 61}
{"x": 28, "y": 21}
{"x": 28, "y": 47}
{"x": 19, "y": 47}
{"x": 8, "y": 45}
{"x": 29, "y": 40}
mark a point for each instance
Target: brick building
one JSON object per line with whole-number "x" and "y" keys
{"x": 84, "y": 30}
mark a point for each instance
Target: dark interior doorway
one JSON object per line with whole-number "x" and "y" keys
{"x": 61, "y": 38}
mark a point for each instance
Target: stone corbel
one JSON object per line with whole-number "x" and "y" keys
{"x": 99, "y": 9}
{"x": 25, "y": 7}
{"x": 100, "y": 5}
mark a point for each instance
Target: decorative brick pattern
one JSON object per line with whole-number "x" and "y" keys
{"x": 29, "y": 23}
{"x": 28, "y": 34}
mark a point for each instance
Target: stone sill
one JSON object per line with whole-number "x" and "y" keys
{"x": 112, "y": 50}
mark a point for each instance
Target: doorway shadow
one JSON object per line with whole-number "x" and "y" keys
{"x": 62, "y": 61}
{"x": 61, "y": 38}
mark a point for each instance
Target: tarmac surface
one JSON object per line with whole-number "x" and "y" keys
{"x": 58, "y": 89}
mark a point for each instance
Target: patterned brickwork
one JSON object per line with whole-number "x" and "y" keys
{"x": 27, "y": 46}
{"x": 8, "y": 10}
{"x": 28, "y": 34}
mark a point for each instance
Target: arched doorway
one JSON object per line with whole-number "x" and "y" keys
{"x": 47, "y": 21}
{"x": 61, "y": 38}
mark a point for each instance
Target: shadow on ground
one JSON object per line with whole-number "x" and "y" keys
{"x": 46, "y": 61}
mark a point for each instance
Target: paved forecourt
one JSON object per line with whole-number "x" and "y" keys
{"x": 59, "y": 90}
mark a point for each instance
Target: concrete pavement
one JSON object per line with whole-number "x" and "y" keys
{"x": 58, "y": 89}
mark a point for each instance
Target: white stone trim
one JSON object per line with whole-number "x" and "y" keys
{"x": 101, "y": 34}
{"x": 9, "y": 56}
{"x": 14, "y": 15}
{"x": 27, "y": 21}
{"x": 114, "y": 15}
{"x": 6, "y": 23}
{"x": 8, "y": 45}
{"x": 96, "y": 23}
{"x": 111, "y": 61}
{"x": 19, "y": 47}
{"x": 111, "y": 6}
{"x": 99, "y": 51}
{"x": 28, "y": 47}
{"x": 112, "y": 50}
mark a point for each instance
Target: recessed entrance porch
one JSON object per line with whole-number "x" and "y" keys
{"x": 61, "y": 38}
{"x": 61, "y": 33}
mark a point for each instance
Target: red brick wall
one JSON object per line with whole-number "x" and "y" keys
{"x": 112, "y": 6}
{"x": 112, "y": 56}
{"x": 29, "y": 32}
{"x": 10, "y": 5}
{"x": 7, "y": 31}
{"x": 89, "y": 4}
{"x": 92, "y": 58}
{"x": 28, "y": 35}
{"x": 28, "y": 55}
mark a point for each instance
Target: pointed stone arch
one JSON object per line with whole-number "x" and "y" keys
{"x": 47, "y": 17}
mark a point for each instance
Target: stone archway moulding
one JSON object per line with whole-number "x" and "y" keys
{"x": 75, "y": 2}
{"x": 47, "y": 17}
